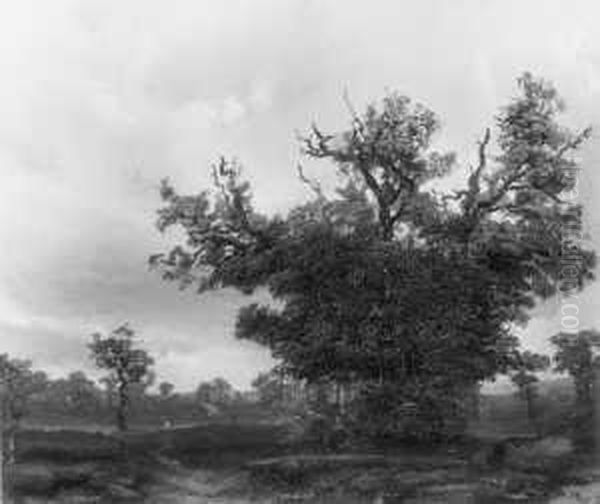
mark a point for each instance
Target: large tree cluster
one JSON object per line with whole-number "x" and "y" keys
{"x": 388, "y": 283}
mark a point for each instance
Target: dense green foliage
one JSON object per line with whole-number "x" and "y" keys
{"x": 387, "y": 282}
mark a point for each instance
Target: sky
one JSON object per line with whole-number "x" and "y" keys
{"x": 100, "y": 99}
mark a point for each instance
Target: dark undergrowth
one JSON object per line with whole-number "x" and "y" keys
{"x": 114, "y": 469}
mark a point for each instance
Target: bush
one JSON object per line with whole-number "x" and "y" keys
{"x": 324, "y": 433}
{"x": 549, "y": 456}
{"x": 392, "y": 411}
{"x": 65, "y": 446}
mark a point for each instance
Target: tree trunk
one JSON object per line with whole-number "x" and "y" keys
{"x": 6, "y": 470}
{"x": 595, "y": 404}
{"x": 2, "y": 492}
{"x": 7, "y": 453}
{"x": 529, "y": 398}
{"x": 122, "y": 408}
{"x": 584, "y": 437}
{"x": 476, "y": 409}
{"x": 9, "y": 444}
{"x": 4, "y": 487}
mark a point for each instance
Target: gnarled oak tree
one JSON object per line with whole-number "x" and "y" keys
{"x": 387, "y": 282}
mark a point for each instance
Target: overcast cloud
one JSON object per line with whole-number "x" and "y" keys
{"x": 100, "y": 99}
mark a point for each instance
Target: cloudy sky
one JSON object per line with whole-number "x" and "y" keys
{"x": 99, "y": 99}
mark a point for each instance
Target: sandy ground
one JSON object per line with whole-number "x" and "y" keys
{"x": 193, "y": 486}
{"x": 586, "y": 493}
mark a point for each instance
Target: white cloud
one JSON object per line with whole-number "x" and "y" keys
{"x": 261, "y": 95}
{"x": 102, "y": 98}
{"x": 232, "y": 111}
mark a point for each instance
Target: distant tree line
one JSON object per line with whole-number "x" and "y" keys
{"x": 128, "y": 390}
{"x": 30, "y": 396}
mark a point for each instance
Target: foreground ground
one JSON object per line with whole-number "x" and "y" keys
{"x": 235, "y": 464}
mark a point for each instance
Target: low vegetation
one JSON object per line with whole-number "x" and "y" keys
{"x": 500, "y": 457}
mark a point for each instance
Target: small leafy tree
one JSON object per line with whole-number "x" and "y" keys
{"x": 76, "y": 394}
{"x": 223, "y": 391}
{"x": 218, "y": 392}
{"x": 575, "y": 355}
{"x": 127, "y": 365}
{"x": 204, "y": 393}
{"x": 165, "y": 389}
{"x": 280, "y": 393}
{"x": 526, "y": 380}
{"x": 269, "y": 388}
{"x": 18, "y": 383}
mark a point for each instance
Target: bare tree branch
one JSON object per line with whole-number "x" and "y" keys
{"x": 313, "y": 185}
{"x": 233, "y": 196}
{"x": 575, "y": 143}
{"x": 357, "y": 123}
{"x": 474, "y": 181}
{"x": 509, "y": 182}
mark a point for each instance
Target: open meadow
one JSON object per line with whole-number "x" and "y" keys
{"x": 234, "y": 463}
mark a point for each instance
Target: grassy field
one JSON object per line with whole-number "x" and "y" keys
{"x": 234, "y": 463}
{"x": 53, "y": 465}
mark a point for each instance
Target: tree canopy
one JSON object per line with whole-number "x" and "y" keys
{"x": 18, "y": 382}
{"x": 388, "y": 280}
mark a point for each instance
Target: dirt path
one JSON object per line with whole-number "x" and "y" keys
{"x": 179, "y": 485}
{"x": 583, "y": 494}
{"x": 586, "y": 493}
